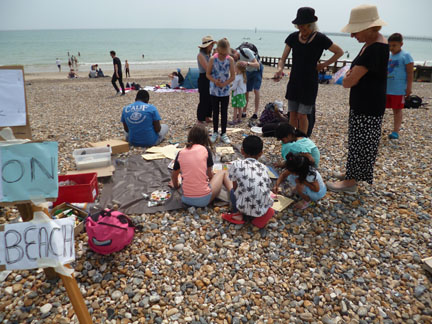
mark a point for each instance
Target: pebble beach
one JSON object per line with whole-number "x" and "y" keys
{"x": 346, "y": 259}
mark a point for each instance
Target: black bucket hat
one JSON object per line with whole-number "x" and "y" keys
{"x": 305, "y": 15}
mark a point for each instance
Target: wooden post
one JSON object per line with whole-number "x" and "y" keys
{"x": 76, "y": 299}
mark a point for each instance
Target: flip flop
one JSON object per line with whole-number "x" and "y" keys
{"x": 229, "y": 218}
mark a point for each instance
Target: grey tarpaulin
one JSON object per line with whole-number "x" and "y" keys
{"x": 133, "y": 177}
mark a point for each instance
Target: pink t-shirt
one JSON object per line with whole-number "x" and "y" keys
{"x": 193, "y": 164}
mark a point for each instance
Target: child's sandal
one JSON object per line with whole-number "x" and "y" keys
{"x": 229, "y": 218}
{"x": 302, "y": 204}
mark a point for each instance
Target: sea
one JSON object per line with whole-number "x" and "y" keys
{"x": 154, "y": 49}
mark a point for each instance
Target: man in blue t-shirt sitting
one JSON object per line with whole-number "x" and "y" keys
{"x": 141, "y": 122}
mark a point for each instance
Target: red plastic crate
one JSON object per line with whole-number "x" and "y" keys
{"x": 85, "y": 190}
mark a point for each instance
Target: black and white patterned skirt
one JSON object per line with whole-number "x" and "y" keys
{"x": 364, "y": 134}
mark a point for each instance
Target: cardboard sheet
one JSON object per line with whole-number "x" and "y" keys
{"x": 281, "y": 202}
{"x": 222, "y": 150}
{"x": 117, "y": 146}
{"x": 169, "y": 151}
{"x": 101, "y": 172}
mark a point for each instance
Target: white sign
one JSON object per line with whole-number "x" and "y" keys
{"x": 12, "y": 98}
{"x": 30, "y": 245}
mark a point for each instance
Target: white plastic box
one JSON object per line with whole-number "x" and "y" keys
{"x": 93, "y": 157}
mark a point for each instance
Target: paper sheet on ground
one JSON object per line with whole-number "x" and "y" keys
{"x": 12, "y": 98}
{"x": 168, "y": 151}
{"x": 281, "y": 202}
{"x": 234, "y": 130}
{"x": 224, "y": 150}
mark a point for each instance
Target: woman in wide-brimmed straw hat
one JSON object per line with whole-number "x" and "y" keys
{"x": 367, "y": 80}
{"x": 204, "y": 110}
{"x": 307, "y": 46}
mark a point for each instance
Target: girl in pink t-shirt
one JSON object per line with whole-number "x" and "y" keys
{"x": 195, "y": 164}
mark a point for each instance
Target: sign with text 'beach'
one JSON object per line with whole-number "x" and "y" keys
{"x": 37, "y": 244}
{"x": 28, "y": 171}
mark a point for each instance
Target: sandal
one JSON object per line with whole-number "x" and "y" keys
{"x": 302, "y": 204}
{"x": 229, "y": 218}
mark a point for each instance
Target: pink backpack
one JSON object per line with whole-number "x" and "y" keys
{"x": 109, "y": 231}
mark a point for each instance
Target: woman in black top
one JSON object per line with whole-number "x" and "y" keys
{"x": 307, "y": 45}
{"x": 367, "y": 80}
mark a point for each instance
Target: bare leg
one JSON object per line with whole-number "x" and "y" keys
{"x": 216, "y": 182}
{"x": 247, "y": 101}
{"x": 293, "y": 119}
{"x": 397, "y": 114}
{"x": 303, "y": 122}
{"x": 257, "y": 101}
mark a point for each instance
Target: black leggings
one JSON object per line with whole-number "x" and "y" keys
{"x": 223, "y": 102}
{"x": 113, "y": 81}
{"x": 204, "y": 106}
{"x": 127, "y": 73}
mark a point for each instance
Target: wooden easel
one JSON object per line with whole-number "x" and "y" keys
{"x": 27, "y": 209}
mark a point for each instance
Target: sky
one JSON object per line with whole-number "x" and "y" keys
{"x": 409, "y": 17}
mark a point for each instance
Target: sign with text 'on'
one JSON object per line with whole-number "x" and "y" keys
{"x": 28, "y": 245}
{"x": 28, "y": 171}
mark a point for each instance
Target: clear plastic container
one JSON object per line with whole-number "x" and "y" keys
{"x": 92, "y": 157}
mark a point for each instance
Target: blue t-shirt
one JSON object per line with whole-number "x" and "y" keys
{"x": 397, "y": 77}
{"x": 303, "y": 145}
{"x": 139, "y": 118}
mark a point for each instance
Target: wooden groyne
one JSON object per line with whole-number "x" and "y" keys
{"x": 274, "y": 61}
{"x": 421, "y": 73}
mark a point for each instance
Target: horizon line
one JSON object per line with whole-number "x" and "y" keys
{"x": 429, "y": 38}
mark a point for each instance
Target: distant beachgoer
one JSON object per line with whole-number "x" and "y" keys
{"x": 79, "y": 54}
{"x": 99, "y": 71}
{"x": 76, "y": 62}
{"x": 68, "y": 54}
{"x": 220, "y": 72}
{"x": 117, "y": 75}
{"x": 204, "y": 110}
{"x": 307, "y": 45}
{"x": 127, "y": 73}
{"x": 141, "y": 122}
{"x": 70, "y": 63}
{"x": 143, "y": 56}
{"x": 399, "y": 80}
{"x": 72, "y": 74}
{"x": 93, "y": 72}
{"x": 367, "y": 80}
{"x": 175, "y": 84}
{"x": 58, "y": 63}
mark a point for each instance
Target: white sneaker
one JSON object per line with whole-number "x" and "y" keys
{"x": 214, "y": 137}
{"x": 225, "y": 138}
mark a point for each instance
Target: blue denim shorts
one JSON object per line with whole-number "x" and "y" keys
{"x": 197, "y": 201}
{"x": 254, "y": 79}
{"x": 299, "y": 107}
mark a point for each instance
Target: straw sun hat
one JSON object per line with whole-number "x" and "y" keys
{"x": 206, "y": 41}
{"x": 363, "y": 17}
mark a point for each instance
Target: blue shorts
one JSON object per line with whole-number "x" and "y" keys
{"x": 299, "y": 107}
{"x": 197, "y": 201}
{"x": 314, "y": 196}
{"x": 254, "y": 79}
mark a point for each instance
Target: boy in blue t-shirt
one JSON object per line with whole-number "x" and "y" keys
{"x": 141, "y": 122}
{"x": 399, "y": 80}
